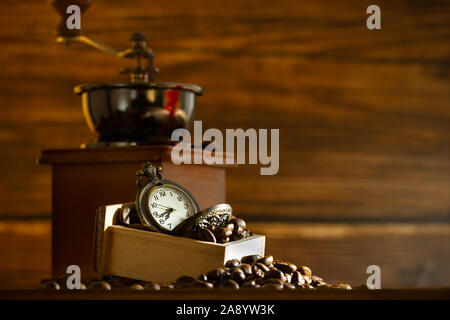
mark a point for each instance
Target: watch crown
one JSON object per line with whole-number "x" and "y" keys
{"x": 150, "y": 171}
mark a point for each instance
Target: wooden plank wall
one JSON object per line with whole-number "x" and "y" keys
{"x": 363, "y": 115}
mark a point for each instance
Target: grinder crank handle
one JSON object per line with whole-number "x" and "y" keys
{"x": 66, "y": 36}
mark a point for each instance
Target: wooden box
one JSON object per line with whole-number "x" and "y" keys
{"x": 85, "y": 179}
{"x": 158, "y": 257}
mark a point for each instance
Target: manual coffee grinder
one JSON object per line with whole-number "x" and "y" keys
{"x": 133, "y": 122}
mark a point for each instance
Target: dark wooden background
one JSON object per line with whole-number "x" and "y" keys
{"x": 363, "y": 118}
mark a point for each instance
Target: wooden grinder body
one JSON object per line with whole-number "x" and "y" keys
{"x": 85, "y": 179}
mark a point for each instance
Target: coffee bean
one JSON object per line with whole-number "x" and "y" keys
{"x": 274, "y": 273}
{"x": 62, "y": 281}
{"x": 133, "y": 216}
{"x": 202, "y": 277}
{"x": 230, "y": 270}
{"x": 150, "y": 286}
{"x": 247, "y": 233}
{"x": 224, "y": 240}
{"x": 317, "y": 278}
{"x": 306, "y": 273}
{"x": 202, "y": 284}
{"x": 317, "y": 281}
{"x": 99, "y": 285}
{"x": 251, "y": 277}
{"x": 50, "y": 285}
{"x": 273, "y": 280}
{"x": 184, "y": 281}
{"x": 136, "y": 286}
{"x": 297, "y": 278}
{"x": 118, "y": 217}
{"x": 225, "y": 276}
{"x": 257, "y": 272}
{"x": 214, "y": 283}
{"x": 267, "y": 260}
{"x": 239, "y": 224}
{"x": 215, "y": 274}
{"x": 238, "y": 275}
{"x": 262, "y": 266}
{"x": 272, "y": 286}
{"x": 206, "y": 235}
{"x": 285, "y": 267}
{"x": 107, "y": 278}
{"x": 306, "y": 286}
{"x": 229, "y": 284}
{"x": 273, "y": 268}
{"x": 125, "y": 216}
{"x": 237, "y": 236}
{"x": 167, "y": 287}
{"x": 233, "y": 263}
{"x": 246, "y": 268}
{"x": 229, "y": 226}
{"x": 223, "y": 233}
{"x": 249, "y": 284}
{"x": 289, "y": 286}
{"x": 116, "y": 281}
{"x": 251, "y": 258}
{"x": 288, "y": 277}
{"x": 344, "y": 286}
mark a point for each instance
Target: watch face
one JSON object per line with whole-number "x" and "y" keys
{"x": 168, "y": 205}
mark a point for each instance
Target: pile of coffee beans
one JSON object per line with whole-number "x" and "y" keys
{"x": 255, "y": 271}
{"x": 252, "y": 271}
{"x": 234, "y": 229}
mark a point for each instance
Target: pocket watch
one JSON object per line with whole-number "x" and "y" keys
{"x": 213, "y": 217}
{"x": 163, "y": 203}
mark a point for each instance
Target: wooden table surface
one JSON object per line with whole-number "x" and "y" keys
{"x": 243, "y": 294}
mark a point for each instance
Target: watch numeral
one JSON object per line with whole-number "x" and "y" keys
{"x": 162, "y": 221}
{"x": 187, "y": 215}
{"x": 185, "y": 206}
{"x": 155, "y": 213}
{"x": 156, "y": 197}
{"x": 162, "y": 193}
{"x": 179, "y": 198}
{"x": 154, "y": 205}
{"x": 171, "y": 193}
{"x": 169, "y": 225}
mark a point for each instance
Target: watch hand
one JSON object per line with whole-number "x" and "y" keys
{"x": 160, "y": 205}
{"x": 165, "y": 207}
{"x": 166, "y": 213}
